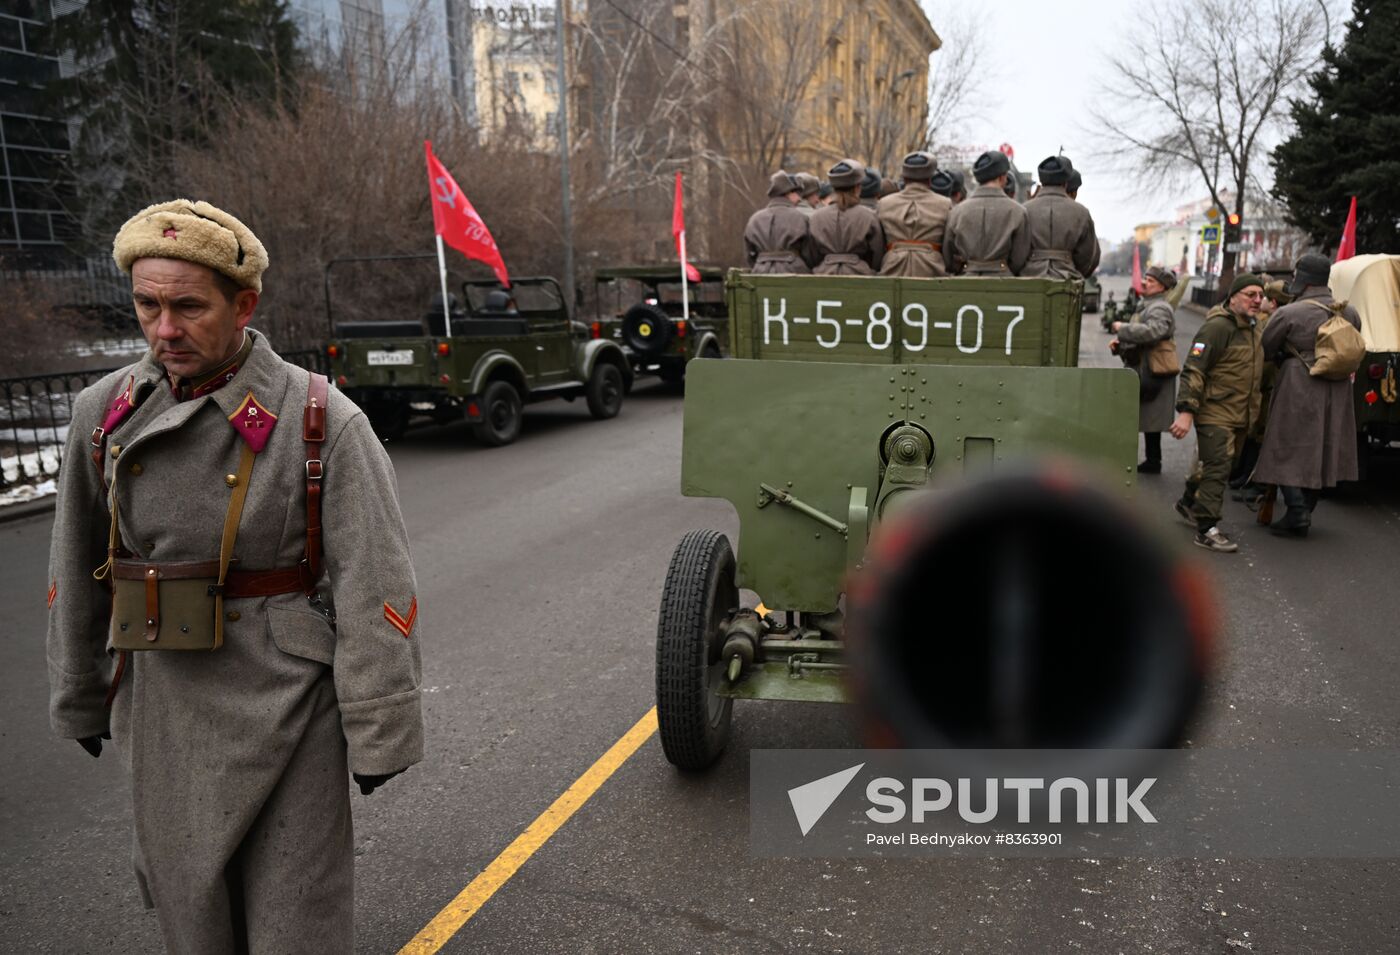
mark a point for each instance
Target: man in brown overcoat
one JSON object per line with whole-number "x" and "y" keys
{"x": 777, "y": 237}
{"x": 846, "y": 236}
{"x": 1064, "y": 243}
{"x": 913, "y": 222}
{"x": 1310, "y": 440}
{"x": 987, "y": 233}
{"x": 212, "y": 452}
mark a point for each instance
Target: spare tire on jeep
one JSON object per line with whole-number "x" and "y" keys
{"x": 646, "y": 329}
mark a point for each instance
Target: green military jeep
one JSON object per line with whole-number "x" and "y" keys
{"x": 640, "y": 307}
{"x": 504, "y": 350}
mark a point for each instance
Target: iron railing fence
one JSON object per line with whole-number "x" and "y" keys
{"x": 35, "y": 411}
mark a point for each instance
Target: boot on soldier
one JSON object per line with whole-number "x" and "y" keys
{"x": 1298, "y": 518}
{"x": 1152, "y": 445}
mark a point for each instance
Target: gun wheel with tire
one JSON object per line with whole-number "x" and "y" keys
{"x": 501, "y": 413}
{"x": 604, "y": 391}
{"x": 693, "y": 719}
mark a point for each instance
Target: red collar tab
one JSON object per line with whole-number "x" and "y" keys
{"x": 120, "y": 408}
{"x": 253, "y": 423}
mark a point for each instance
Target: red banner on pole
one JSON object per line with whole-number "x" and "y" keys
{"x": 457, "y": 222}
{"x": 1137, "y": 268}
{"x": 678, "y": 232}
{"x": 1347, "y": 248}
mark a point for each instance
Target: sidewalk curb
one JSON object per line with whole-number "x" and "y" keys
{"x": 18, "y": 512}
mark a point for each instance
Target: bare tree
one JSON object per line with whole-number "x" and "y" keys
{"x": 954, "y": 92}
{"x": 1194, "y": 95}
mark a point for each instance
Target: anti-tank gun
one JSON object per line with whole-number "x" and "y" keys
{"x": 920, "y": 471}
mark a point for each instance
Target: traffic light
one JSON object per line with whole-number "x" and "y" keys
{"x": 1232, "y": 227}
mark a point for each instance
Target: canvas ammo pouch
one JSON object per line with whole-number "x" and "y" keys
{"x": 1162, "y": 359}
{"x": 175, "y": 605}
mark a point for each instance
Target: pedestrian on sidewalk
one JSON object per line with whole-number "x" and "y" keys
{"x": 1310, "y": 442}
{"x": 1219, "y": 396}
{"x": 1241, "y": 478}
{"x": 1155, "y": 322}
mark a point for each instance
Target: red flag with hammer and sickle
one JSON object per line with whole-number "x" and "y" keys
{"x": 457, "y": 222}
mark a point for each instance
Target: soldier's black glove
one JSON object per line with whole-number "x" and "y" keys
{"x": 93, "y": 744}
{"x": 369, "y": 783}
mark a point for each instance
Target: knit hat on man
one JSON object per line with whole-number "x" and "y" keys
{"x": 1244, "y": 280}
{"x": 195, "y": 232}
{"x": 845, "y": 174}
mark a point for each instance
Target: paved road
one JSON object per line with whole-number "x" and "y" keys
{"x": 540, "y": 567}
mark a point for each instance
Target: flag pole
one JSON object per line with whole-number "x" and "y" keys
{"x": 442, "y": 271}
{"x": 685, "y": 284}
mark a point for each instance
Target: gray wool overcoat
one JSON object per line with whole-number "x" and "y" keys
{"x": 239, "y": 757}
{"x": 1152, "y": 323}
{"x": 1310, "y": 440}
{"x": 847, "y": 241}
{"x": 988, "y": 233}
{"x": 1064, "y": 242}
{"x": 778, "y": 241}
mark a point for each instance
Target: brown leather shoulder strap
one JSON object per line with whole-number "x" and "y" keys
{"x": 314, "y": 434}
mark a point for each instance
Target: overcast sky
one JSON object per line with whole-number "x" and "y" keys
{"x": 1041, "y": 71}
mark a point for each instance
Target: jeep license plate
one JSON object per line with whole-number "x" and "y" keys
{"x": 389, "y": 357}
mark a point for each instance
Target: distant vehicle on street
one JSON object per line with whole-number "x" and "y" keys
{"x": 1371, "y": 283}
{"x": 1090, "y": 295}
{"x": 640, "y": 308}
{"x": 506, "y": 349}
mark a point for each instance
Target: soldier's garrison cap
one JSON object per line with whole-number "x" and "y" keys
{"x": 918, "y": 166}
{"x": 1310, "y": 269}
{"x": 781, "y": 183}
{"x": 990, "y": 165}
{"x": 845, "y": 174}
{"x": 870, "y": 184}
{"x": 1054, "y": 171}
{"x": 1075, "y": 181}
{"x": 196, "y": 232}
{"x": 810, "y": 184}
{"x": 1165, "y": 276}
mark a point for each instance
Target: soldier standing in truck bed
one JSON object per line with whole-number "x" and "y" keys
{"x": 1064, "y": 243}
{"x": 913, "y": 222}
{"x": 846, "y": 236}
{"x": 777, "y": 238}
{"x": 987, "y": 233}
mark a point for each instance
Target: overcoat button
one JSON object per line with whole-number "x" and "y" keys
{"x": 137, "y": 469}
{"x": 234, "y": 615}
{"x": 231, "y": 480}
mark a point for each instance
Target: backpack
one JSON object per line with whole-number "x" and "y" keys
{"x": 1339, "y": 349}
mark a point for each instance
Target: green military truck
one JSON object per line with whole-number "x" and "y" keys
{"x": 1371, "y": 283}
{"x": 640, "y": 308}
{"x": 501, "y": 351}
{"x": 921, "y": 476}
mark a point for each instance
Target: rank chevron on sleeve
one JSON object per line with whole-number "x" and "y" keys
{"x": 402, "y": 624}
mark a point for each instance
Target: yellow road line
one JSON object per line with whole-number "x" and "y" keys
{"x": 450, "y": 920}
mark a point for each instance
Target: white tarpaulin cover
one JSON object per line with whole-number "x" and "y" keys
{"x": 1371, "y": 283}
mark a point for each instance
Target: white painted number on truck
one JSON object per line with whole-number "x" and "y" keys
{"x": 969, "y": 325}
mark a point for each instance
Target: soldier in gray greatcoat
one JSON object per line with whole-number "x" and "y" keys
{"x": 1064, "y": 243}
{"x": 987, "y": 233}
{"x": 846, "y": 236}
{"x": 913, "y": 222}
{"x": 1155, "y": 321}
{"x": 212, "y": 460}
{"x": 1310, "y": 440}
{"x": 777, "y": 237}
